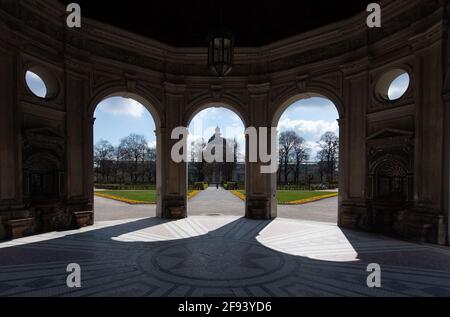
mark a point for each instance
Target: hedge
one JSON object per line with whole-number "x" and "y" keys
{"x": 200, "y": 185}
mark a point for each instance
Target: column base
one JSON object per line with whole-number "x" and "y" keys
{"x": 410, "y": 223}
{"x": 174, "y": 208}
{"x": 352, "y": 216}
{"x": 258, "y": 208}
{"x": 19, "y": 228}
{"x": 422, "y": 225}
{"x": 83, "y": 218}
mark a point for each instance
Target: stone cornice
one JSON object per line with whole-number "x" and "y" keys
{"x": 259, "y": 89}
{"x": 174, "y": 89}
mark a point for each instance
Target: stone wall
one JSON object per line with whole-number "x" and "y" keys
{"x": 343, "y": 62}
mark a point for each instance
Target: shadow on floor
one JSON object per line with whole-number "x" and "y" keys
{"x": 231, "y": 257}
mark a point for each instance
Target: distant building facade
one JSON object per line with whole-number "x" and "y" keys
{"x": 217, "y": 172}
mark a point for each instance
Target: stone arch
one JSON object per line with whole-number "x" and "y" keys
{"x": 391, "y": 168}
{"x": 152, "y": 105}
{"x": 146, "y": 99}
{"x": 283, "y": 102}
{"x": 286, "y": 100}
{"x": 228, "y": 103}
{"x": 203, "y": 103}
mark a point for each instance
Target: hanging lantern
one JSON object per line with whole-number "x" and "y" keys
{"x": 220, "y": 54}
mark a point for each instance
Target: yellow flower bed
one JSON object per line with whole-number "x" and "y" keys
{"x": 238, "y": 194}
{"x": 309, "y": 200}
{"x": 124, "y": 200}
{"x": 193, "y": 194}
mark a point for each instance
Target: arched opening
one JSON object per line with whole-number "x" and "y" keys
{"x": 216, "y": 161}
{"x": 308, "y": 147}
{"x": 125, "y": 158}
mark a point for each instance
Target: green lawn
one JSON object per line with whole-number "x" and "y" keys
{"x": 286, "y": 196}
{"x": 136, "y": 196}
{"x": 149, "y": 196}
{"x": 146, "y": 196}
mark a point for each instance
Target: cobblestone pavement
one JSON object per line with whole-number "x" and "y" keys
{"x": 220, "y": 256}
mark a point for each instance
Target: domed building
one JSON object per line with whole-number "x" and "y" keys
{"x": 220, "y": 170}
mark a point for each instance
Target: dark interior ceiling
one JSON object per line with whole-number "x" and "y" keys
{"x": 189, "y": 22}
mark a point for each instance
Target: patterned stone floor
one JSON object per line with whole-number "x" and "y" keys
{"x": 220, "y": 256}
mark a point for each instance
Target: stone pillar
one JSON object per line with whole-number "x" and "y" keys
{"x": 353, "y": 209}
{"x": 446, "y": 190}
{"x": 173, "y": 188}
{"x": 343, "y": 180}
{"x": 11, "y": 188}
{"x": 79, "y": 131}
{"x": 89, "y": 162}
{"x": 429, "y": 185}
{"x": 10, "y": 160}
{"x": 261, "y": 202}
{"x": 446, "y": 97}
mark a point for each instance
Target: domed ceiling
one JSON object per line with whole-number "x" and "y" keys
{"x": 188, "y": 23}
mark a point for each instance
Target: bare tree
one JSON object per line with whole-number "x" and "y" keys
{"x": 329, "y": 144}
{"x": 301, "y": 155}
{"x": 321, "y": 163}
{"x": 197, "y": 149}
{"x": 287, "y": 142}
{"x": 104, "y": 155}
{"x": 132, "y": 150}
{"x": 150, "y": 165}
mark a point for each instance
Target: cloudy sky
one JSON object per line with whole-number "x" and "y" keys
{"x": 310, "y": 118}
{"x": 117, "y": 117}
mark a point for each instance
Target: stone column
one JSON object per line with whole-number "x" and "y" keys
{"x": 173, "y": 188}
{"x": 353, "y": 166}
{"x": 429, "y": 185}
{"x": 261, "y": 202}
{"x": 79, "y": 152}
{"x": 343, "y": 181}
{"x": 446, "y": 97}
{"x": 10, "y": 160}
{"x": 89, "y": 162}
{"x": 11, "y": 182}
{"x": 446, "y": 190}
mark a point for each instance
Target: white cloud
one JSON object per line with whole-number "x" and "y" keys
{"x": 309, "y": 128}
{"x": 119, "y": 106}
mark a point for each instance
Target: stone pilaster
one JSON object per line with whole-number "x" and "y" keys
{"x": 429, "y": 186}
{"x": 173, "y": 188}
{"x": 353, "y": 166}
{"x": 10, "y": 160}
{"x": 261, "y": 200}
